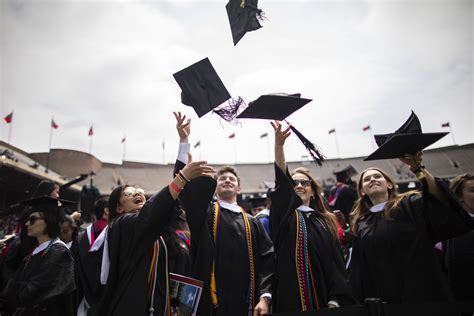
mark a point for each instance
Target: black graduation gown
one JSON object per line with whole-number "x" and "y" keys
{"x": 330, "y": 276}
{"x": 88, "y": 267}
{"x": 230, "y": 251}
{"x": 45, "y": 286}
{"x": 459, "y": 261}
{"x": 345, "y": 200}
{"x": 395, "y": 260}
{"x": 130, "y": 240}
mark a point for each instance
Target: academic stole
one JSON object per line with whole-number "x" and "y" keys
{"x": 248, "y": 234}
{"x": 303, "y": 266}
{"x": 152, "y": 276}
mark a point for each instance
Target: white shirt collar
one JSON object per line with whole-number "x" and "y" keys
{"x": 45, "y": 244}
{"x": 470, "y": 214}
{"x": 69, "y": 244}
{"x": 265, "y": 211}
{"x": 305, "y": 209}
{"x": 378, "y": 207}
{"x": 99, "y": 241}
{"x": 233, "y": 207}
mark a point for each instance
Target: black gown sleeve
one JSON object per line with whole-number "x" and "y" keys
{"x": 267, "y": 263}
{"x": 443, "y": 220}
{"x": 284, "y": 202}
{"x": 195, "y": 200}
{"x": 55, "y": 278}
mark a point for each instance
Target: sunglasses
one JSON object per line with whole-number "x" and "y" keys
{"x": 132, "y": 191}
{"x": 303, "y": 183}
{"x": 32, "y": 219}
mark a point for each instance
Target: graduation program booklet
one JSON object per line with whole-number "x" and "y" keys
{"x": 185, "y": 293}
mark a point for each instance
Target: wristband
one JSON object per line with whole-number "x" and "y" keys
{"x": 175, "y": 188}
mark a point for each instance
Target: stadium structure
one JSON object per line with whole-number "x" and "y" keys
{"x": 20, "y": 172}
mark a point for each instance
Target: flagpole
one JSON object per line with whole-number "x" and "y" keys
{"x": 50, "y": 141}
{"x": 90, "y": 145}
{"x": 10, "y": 131}
{"x": 163, "y": 147}
{"x": 452, "y": 134}
{"x": 124, "y": 149}
{"x": 372, "y": 139}
{"x": 269, "y": 150}
{"x": 337, "y": 145}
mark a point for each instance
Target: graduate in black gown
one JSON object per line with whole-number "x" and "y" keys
{"x": 22, "y": 244}
{"x": 135, "y": 265}
{"x": 230, "y": 249}
{"x": 459, "y": 257}
{"x": 89, "y": 259}
{"x": 310, "y": 272}
{"x": 393, "y": 257}
{"x": 44, "y": 282}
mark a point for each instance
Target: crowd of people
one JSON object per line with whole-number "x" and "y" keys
{"x": 303, "y": 252}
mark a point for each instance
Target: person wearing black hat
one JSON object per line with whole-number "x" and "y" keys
{"x": 393, "y": 257}
{"x": 44, "y": 282}
{"x": 310, "y": 272}
{"x": 459, "y": 257}
{"x": 134, "y": 263}
{"x": 22, "y": 244}
{"x": 343, "y": 195}
{"x": 89, "y": 259}
{"x": 230, "y": 249}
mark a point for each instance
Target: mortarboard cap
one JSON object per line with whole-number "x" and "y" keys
{"x": 46, "y": 201}
{"x": 278, "y": 107}
{"x": 274, "y": 106}
{"x": 244, "y": 17}
{"x": 349, "y": 170}
{"x": 202, "y": 89}
{"x": 408, "y": 139}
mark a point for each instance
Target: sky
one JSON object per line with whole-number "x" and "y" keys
{"x": 110, "y": 64}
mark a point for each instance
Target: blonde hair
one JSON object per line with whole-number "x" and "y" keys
{"x": 363, "y": 204}
{"x": 317, "y": 202}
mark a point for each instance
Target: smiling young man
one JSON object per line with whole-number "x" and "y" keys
{"x": 231, "y": 251}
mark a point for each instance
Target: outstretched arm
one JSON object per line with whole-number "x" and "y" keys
{"x": 414, "y": 162}
{"x": 280, "y": 138}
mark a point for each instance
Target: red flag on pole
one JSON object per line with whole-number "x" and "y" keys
{"x": 231, "y": 135}
{"x": 445, "y": 124}
{"x": 331, "y": 131}
{"x": 9, "y": 118}
{"x": 366, "y": 128}
{"x": 91, "y": 131}
{"x": 124, "y": 139}
{"x": 53, "y": 124}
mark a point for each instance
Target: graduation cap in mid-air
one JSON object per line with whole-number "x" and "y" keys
{"x": 202, "y": 89}
{"x": 244, "y": 16}
{"x": 408, "y": 139}
{"x": 279, "y": 107}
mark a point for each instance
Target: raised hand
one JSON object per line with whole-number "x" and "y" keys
{"x": 413, "y": 161}
{"x": 280, "y": 135}
{"x": 183, "y": 126}
{"x": 197, "y": 169}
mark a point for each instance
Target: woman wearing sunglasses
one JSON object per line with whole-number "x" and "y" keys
{"x": 44, "y": 282}
{"x": 310, "y": 272}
